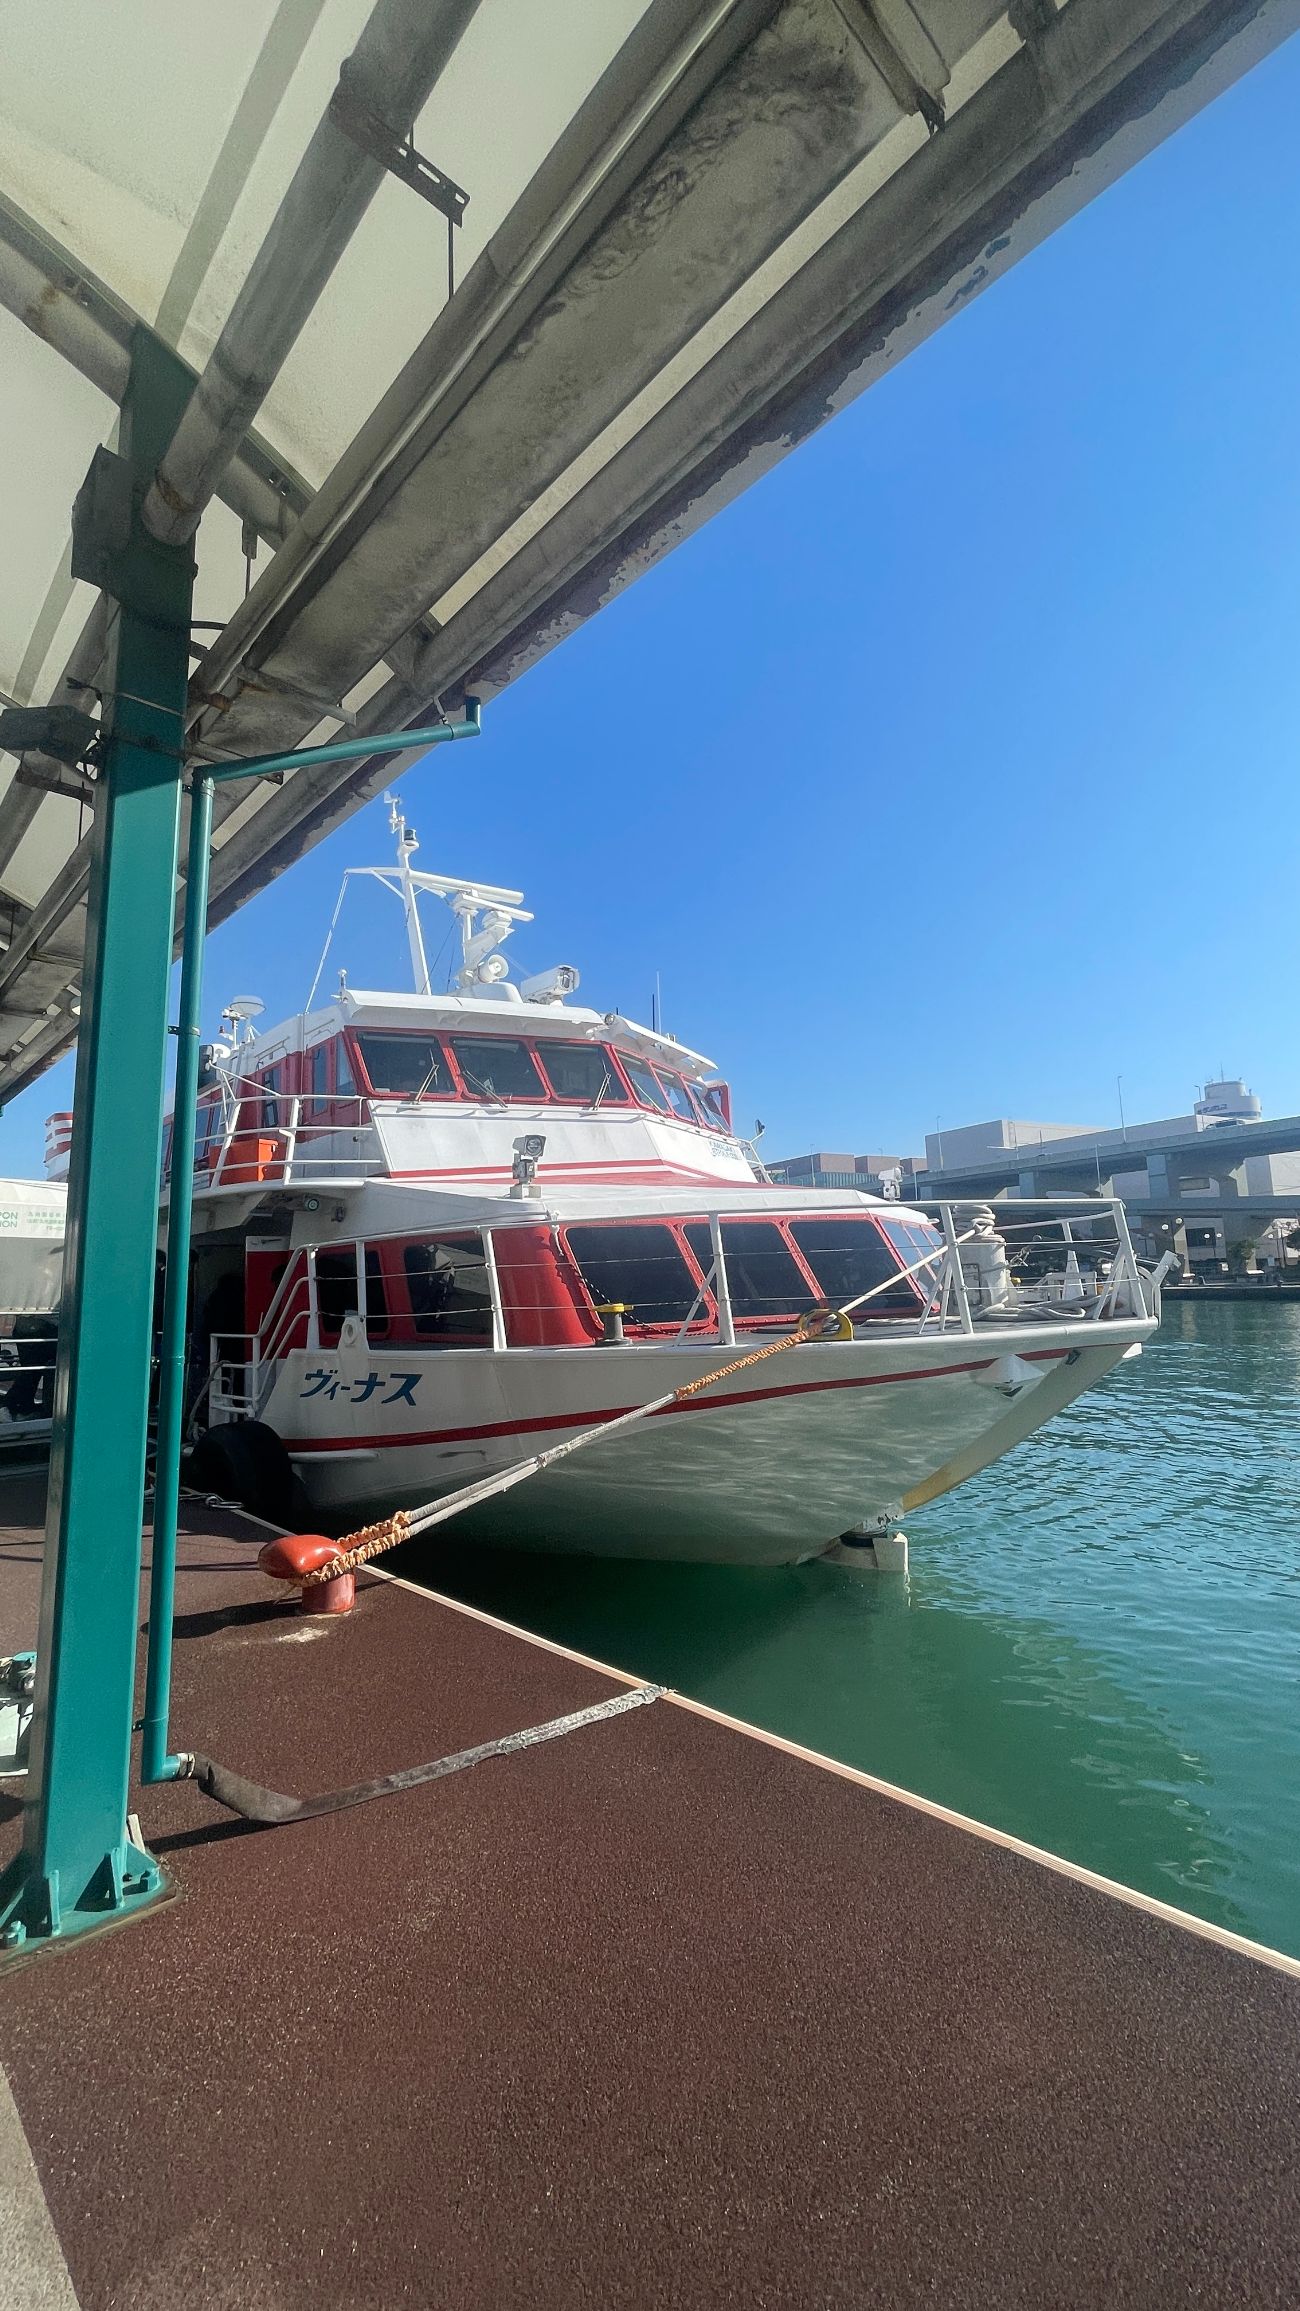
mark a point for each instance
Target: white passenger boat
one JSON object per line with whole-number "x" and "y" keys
{"x": 435, "y": 1231}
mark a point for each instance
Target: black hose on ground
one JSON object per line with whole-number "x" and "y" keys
{"x": 271, "y": 1808}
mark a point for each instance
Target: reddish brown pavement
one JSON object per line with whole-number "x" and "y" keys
{"x": 656, "y": 2014}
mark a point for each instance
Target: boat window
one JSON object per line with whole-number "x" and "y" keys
{"x": 763, "y": 1275}
{"x": 336, "y": 1288}
{"x": 645, "y": 1083}
{"x": 207, "y": 1129}
{"x": 318, "y": 1075}
{"x": 271, "y": 1083}
{"x": 450, "y": 1290}
{"x": 583, "y": 1071}
{"x": 336, "y": 1291}
{"x": 345, "y": 1082}
{"x": 641, "y": 1265}
{"x": 916, "y": 1239}
{"x": 378, "y": 1321}
{"x": 848, "y": 1257}
{"x": 679, "y": 1098}
{"x": 710, "y": 1098}
{"x": 406, "y": 1066}
{"x": 494, "y": 1067}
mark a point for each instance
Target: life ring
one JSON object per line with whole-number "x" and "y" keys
{"x": 825, "y": 1323}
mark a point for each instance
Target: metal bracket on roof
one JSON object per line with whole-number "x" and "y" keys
{"x": 75, "y": 783}
{"x": 396, "y": 152}
{"x": 903, "y": 53}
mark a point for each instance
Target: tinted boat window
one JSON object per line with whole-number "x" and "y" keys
{"x": 915, "y": 1239}
{"x": 450, "y": 1290}
{"x": 583, "y": 1071}
{"x": 406, "y": 1066}
{"x": 495, "y": 1068}
{"x": 646, "y": 1084}
{"x": 336, "y": 1291}
{"x": 710, "y": 1099}
{"x": 642, "y": 1266}
{"x": 848, "y": 1257}
{"x": 762, "y": 1272}
{"x": 679, "y": 1098}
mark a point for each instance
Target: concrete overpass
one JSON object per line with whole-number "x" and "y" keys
{"x": 1063, "y": 1167}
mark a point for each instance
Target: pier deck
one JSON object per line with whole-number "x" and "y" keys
{"x": 659, "y": 2013}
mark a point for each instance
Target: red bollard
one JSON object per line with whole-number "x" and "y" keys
{"x": 294, "y": 1554}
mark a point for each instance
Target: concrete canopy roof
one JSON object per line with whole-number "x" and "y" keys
{"x": 695, "y": 228}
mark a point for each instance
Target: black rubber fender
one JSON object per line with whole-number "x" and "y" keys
{"x": 245, "y": 1461}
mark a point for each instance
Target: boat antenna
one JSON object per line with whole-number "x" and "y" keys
{"x": 407, "y": 845}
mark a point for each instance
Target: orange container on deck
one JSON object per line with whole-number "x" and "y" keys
{"x": 253, "y": 1158}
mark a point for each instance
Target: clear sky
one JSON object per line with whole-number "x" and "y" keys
{"x": 951, "y": 771}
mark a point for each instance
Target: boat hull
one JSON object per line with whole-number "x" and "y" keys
{"x": 768, "y": 1473}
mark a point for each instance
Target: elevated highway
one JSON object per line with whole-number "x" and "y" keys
{"x": 1062, "y": 1167}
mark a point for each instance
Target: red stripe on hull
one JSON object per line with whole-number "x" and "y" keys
{"x": 319, "y": 1445}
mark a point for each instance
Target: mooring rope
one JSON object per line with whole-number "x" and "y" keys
{"x": 359, "y": 1548}
{"x": 272, "y": 1807}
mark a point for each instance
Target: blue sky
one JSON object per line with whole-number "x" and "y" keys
{"x": 949, "y": 772}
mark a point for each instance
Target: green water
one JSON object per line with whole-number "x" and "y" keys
{"x": 1096, "y": 1648}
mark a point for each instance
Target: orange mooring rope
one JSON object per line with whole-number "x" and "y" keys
{"x": 358, "y": 1548}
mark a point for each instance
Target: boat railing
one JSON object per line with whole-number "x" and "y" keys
{"x": 1034, "y": 1259}
{"x": 292, "y": 1153}
{"x": 1021, "y": 1262}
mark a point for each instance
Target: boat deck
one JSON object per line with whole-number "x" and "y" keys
{"x": 661, "y": 2012}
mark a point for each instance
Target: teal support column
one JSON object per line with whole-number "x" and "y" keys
{"x": 77, "y": 1868}
{"x": 156, "y": 1762}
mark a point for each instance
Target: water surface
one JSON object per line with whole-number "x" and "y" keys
{"x": 1096, "y": 1648}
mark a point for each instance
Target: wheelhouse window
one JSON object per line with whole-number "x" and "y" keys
{"x": 272, "y": 1084}
{"x": 849, "y": 1257}
{"x": 679, "y": 1098}
{"x": 318, "y": 1075}
{"x": 345, "y": 1082}
{"x": 406, "y": 1066}
{"x": 450, "y": 1290}
{"x": 583, "y": 1072}
{"x": 645, "y": 1083}
{"x": 713, "y": 1105}
{"x": 496, "y": 1067}
{"x": 207, "y": 1129}
{"x": 764, "y": 1278}
{"x": 640, "y": 1264}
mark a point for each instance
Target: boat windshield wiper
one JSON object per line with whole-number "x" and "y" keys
{"x": 483, "y": 1084}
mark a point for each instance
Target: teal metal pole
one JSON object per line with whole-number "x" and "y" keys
{"x": 351, "y": 749}
{"x": 77, "y": 1867}
{"x": 155, "y": 1763}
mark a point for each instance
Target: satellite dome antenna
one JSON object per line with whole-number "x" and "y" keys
{"x": 241, "y": 1011}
